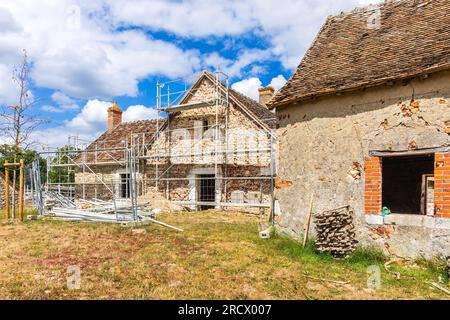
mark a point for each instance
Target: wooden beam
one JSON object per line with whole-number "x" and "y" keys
{"x": 22, "y": 167}
{"x": 308, "y": 221}
{"x": 12, "y": 164}
{"x": 7, "y": 190}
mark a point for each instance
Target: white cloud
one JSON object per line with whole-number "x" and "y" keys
{"x": 83, "y": 55}
{"x": 64, "y": 102}
{"x": 7, "y": 22}
{"x": 62, "y": 98}
{"x": 278, "y": 82}
{"x": 192, "y": 18}
{"x": 52, "y": 109}
{"x": 249, "y": 87}
{"x": 233, "y": 68}
{"x": 8, "y": 91}
{"x": 92, "y": 117}
{"x": 288, "y": 25}
{"x": 77, "y": 48}
{"x": 89, "y": 123}
{"x": 138, "y": 112}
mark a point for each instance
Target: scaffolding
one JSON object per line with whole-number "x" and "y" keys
{"x": 142, "y": 163}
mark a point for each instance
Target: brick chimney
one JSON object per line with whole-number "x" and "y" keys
{"x": 114, "y": 116}
{"x": 265, "y": 94}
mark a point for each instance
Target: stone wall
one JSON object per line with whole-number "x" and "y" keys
{"x": 186, "y": 148}
{"x": 185, "y": 184}
{"x": 89, "y": 185}
{"x": 324, "y": 146}
{"x": 186, "y": 141}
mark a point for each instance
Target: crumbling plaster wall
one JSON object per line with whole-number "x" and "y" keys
{"x": 323, "y": 144}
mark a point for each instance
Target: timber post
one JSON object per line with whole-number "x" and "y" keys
{"x": 7, "y": 189}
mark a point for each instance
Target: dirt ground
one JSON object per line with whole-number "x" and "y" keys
{"x": 218, "y": 256}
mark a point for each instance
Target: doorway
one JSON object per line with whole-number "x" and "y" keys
{"x": 206, "y": 191}
{"x": 125, "y": 185}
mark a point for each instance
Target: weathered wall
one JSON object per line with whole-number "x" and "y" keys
{"x": 183, "y": 188}
{"x": 185, "y": 141}
{"x": 323, "y": 145}
{"x": 89, "y": 185}
{"x": 185, "y": 148}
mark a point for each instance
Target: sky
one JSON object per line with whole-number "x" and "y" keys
{"x": 85, "y": 54}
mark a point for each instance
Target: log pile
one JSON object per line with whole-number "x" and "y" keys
{"x": 336, "y": 232}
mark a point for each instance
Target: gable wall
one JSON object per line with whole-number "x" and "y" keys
{"x": 319, "y": 141}
{"x": 185, "y": 143}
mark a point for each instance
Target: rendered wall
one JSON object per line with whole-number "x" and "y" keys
{"x": 324, "y": 145}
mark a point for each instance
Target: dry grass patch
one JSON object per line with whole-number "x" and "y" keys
{"x": 219, "y": 256}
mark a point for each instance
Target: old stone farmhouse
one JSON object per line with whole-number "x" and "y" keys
{"x": 202, "y": 154}
{"x": 365, "y": 122}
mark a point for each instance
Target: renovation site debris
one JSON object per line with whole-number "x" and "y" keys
{"x": 55, "y": 205}
{"x": 210, "y": 147}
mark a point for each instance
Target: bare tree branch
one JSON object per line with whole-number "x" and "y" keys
{"x": 17, "y": 121}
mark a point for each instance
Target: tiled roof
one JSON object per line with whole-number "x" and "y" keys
{"x": 117, "y": 138}
{"x": 356, "y": 49}
{"x": 261, "y": 112}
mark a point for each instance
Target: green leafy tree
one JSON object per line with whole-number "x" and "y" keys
{"x": 11, "y": 153}
{"x": 63, "y": 174}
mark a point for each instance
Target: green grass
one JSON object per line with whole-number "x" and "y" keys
{"x": 294, "y": 250}
{"x": 218, "y": 256}
{"x": 27, "y": 211}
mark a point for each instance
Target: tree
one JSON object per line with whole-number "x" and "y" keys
{"x": 19, "y": 122}
{"x": 14, "y": 154}
{"x": 63, "y": 174}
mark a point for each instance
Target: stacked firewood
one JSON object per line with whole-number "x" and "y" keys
{"x": 336, "y": 232}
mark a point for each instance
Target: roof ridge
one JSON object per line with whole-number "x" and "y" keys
{"x": 350, "y": 52}
{"x": 363, "y": 8}
{"x": 136, "y": 121}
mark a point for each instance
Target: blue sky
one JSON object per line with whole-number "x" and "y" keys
{"x": 86, "y": 54}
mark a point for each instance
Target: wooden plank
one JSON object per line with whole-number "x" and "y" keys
{"x": 22, "y": 167}
{"x": 8, "y": 214}
{"x": 308, "y": 221}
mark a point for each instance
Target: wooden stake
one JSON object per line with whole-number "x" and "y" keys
{"x": 22, "y": 167}
{"x": 7, "y": 190}
{"x": 308, "y": 221}
{"x": 13, "y": 196}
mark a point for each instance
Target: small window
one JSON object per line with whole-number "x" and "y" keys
{"x": 237, "y": 197}
{"x": 205, "y": 125}
{"x": 404, "y": 183}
